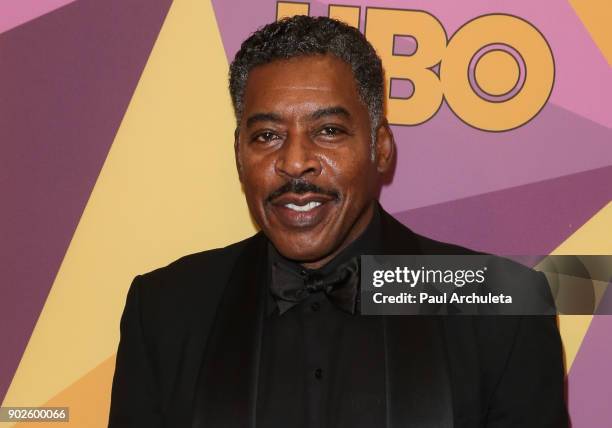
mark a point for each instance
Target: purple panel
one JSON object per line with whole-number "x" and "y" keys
{"x": 67, "y": 78}
{"x": 529, "y": 219}
{"x": 456, "y": 161}
{"x": 590, "y": 378}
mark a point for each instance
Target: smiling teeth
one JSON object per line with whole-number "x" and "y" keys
{"x": 302, "y": 208}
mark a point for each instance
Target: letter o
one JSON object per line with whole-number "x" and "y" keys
{"x": 538, "y": 63}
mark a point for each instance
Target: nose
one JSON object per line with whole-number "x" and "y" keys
{"x": 297, "y": 158}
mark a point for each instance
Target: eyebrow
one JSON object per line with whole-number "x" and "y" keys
{"x": 330, "y": 111}
{"x": 317, "y": 114}
{"x": 262, "y": 117}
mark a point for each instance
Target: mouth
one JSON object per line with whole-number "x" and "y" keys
{"x": 303, "y": 210}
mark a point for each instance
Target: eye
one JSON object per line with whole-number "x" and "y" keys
{"x": 265, "y": 137}
{"x": 330, "y": 131}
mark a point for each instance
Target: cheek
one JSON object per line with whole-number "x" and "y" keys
{"x": 348, "y": 169}
{"x": 258, "y": 173}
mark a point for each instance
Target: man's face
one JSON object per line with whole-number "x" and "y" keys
{"x": 304, "y": 156}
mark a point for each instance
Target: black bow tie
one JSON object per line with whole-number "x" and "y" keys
{"x": 341, "y": 286}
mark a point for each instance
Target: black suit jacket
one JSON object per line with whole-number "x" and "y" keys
{"x": 191, "y": 333}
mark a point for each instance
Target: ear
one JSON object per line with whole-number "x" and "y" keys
{"x": 237, "y": 153}
{"x": 385, "y": 147}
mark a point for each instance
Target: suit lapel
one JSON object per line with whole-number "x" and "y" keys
{"x": 417, "y": 374}
{"x": 226, "y": 391}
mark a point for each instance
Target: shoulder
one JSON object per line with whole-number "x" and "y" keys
{"x": 211, "y": 262}
{"x": 194, "y": 281}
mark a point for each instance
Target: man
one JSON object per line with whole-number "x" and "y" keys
{"x": 267, "y": 332}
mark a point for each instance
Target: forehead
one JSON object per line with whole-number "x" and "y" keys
{"x": 302, "y": 83}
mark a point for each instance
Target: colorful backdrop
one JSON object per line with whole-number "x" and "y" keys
{"x": 116, "y": 158}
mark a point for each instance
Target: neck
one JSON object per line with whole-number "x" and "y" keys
{"x": 358, "y": 228}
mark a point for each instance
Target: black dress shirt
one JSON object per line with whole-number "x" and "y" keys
{"x": 320, "y": 365}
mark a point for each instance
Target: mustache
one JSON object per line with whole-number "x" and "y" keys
{"x": 300, "y": 186}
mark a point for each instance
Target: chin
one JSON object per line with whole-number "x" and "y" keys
{"x": 303, "y": 250}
